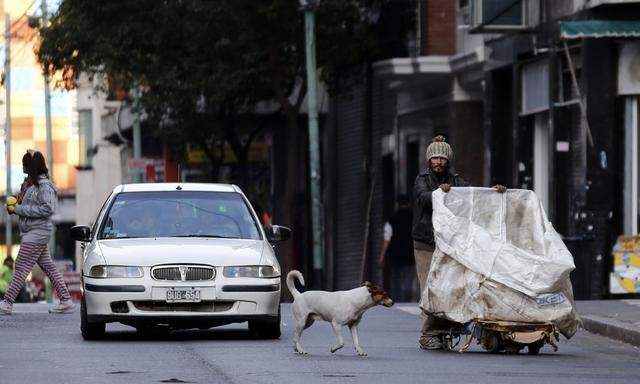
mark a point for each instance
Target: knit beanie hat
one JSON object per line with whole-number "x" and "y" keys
{"x": 439, "y": 148}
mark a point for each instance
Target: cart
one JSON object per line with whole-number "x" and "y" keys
{"x": 508, "y": 336}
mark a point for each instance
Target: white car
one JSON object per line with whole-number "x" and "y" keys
{"x": 179, "y": 256}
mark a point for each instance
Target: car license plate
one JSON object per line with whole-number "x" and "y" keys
{"x": 183, "y": 295}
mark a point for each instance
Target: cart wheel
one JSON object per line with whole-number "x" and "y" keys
{"x": 534, "y": 348}
{"x": 491, "y": 342}
{"x": 512, "y": 349}
{"x": 447, "y": 343}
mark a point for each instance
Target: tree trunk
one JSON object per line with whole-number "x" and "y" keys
{"x": 215, "y": 160}
{"x": 243, "y": 169}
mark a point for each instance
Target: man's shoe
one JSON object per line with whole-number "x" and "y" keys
{"x": 5, "y": 308}
{"x": 64, "y": 306}
{"x": 430, "y": 342}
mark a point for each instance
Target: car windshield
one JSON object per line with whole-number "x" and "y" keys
{"x": 179, "y": 214}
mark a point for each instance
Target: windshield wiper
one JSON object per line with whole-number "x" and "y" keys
{"x": 212, "y": 236}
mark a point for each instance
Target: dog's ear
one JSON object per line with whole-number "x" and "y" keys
{"x": 369, "y": 286}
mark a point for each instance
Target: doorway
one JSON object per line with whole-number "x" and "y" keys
{"x": 413, "y": 162}
{"x": 631, "y": 166}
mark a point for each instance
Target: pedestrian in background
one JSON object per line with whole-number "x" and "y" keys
{"x": 6, "y": 273}
{"x": 37, "y": 202}
{"x": 396, "y": 256}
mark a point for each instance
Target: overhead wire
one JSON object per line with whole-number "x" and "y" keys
{"x": 16, "y": 25}
{"x": 19, "y": 18}
{"x": 13, "y": 30}
{"x": 18, "y": 52}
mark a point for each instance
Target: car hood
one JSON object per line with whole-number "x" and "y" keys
{"x": 150, "y": 252}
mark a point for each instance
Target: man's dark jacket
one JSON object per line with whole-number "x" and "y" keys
{"x": 425, "y": 184}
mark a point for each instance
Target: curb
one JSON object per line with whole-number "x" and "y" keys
{"x": 612, "y": 328}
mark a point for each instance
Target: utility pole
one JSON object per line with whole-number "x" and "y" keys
{"x": 309, "y": 7}
{"x": 47, "y": 103}
{"x": 7, "y": 123}
{"x": 137, "y": 137}
{"x": 47, "y": 112}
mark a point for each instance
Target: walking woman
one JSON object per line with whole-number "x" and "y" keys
{"x": 36, "y": 204}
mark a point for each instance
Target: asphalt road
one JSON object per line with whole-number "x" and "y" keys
{"x": 41, "y": 348}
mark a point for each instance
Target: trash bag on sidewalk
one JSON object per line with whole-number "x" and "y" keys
{"x": 498, "y": 258}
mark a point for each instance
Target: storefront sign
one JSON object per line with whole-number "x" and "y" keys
{"x": 625, "y": 277}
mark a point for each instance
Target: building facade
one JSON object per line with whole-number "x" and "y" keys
{"x": 540, "y": 95}
{"x": 561, "y": 118}
{"x": 28, "y": 125}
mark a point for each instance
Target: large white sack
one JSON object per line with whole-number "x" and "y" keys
{"x": 498, "y": 258}
{"x": 456, "y": 293}
{"x": 505, "y": 237}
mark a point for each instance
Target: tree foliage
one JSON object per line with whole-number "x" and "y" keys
{"x": 202, "y": 67}
{"x": 198, "y": 63}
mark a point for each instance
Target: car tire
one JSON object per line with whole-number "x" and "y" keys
{"x": 90, "y": 331}
{"x": 266, "y": 329}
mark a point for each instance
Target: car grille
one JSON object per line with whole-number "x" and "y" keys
{"x": 203, "y": 306}
{"x": 183, "y": 273}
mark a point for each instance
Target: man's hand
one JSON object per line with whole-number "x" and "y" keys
{"x": 445, "y": 187}
{"x": 500, "y": 188}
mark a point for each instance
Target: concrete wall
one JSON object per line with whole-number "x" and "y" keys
{"x": 94, "y": 184}
{"x": 466, "y": 135}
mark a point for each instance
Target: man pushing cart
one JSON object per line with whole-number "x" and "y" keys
{"x": 490, "y": 264}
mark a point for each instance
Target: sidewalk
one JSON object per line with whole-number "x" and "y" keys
{"x": 616, "y": 319}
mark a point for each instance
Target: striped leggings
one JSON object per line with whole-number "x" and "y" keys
{"x": 28, "y": 256}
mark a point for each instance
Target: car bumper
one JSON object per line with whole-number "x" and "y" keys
{"x": 222, "y": 301}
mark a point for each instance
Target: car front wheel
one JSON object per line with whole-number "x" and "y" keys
{"x": 90, "y": 331}
{"x": 266, "y": 329}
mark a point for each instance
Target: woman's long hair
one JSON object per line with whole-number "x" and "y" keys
{"x": 34, "y": 164}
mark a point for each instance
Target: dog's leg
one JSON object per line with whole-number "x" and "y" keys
{"x": 297, "y": 334}
{"x": 337, "y": 330}
{"x": 356, "y": 343}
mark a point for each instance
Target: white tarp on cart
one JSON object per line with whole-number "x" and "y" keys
{"x": 498, "y": 258}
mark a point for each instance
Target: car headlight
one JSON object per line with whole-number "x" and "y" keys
{"x": 114, "y": 271}
{"x": 265, "y": 271}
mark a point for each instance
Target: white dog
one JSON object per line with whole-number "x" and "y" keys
{"x": 339, "y": 308}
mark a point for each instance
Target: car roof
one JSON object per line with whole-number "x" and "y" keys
{"x": 159, "y": 187}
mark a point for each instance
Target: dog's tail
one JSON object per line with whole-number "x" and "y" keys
{"x": 291, "y": 283}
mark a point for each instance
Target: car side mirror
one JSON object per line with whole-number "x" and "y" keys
{"x": 81, "y": 233}
{"x": 278, "y": 233}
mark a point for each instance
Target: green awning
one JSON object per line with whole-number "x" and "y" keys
{"x": 599, "y": 28}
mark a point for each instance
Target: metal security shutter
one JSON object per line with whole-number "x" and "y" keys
{"x": 351, "y": 189}
{"x": 383, "y": 114}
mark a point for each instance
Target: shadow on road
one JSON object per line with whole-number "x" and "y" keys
{"x": 178, "y": 335}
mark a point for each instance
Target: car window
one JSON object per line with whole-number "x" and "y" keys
{"x": 179, "y": 214}
{"x": 94, "y": 226}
